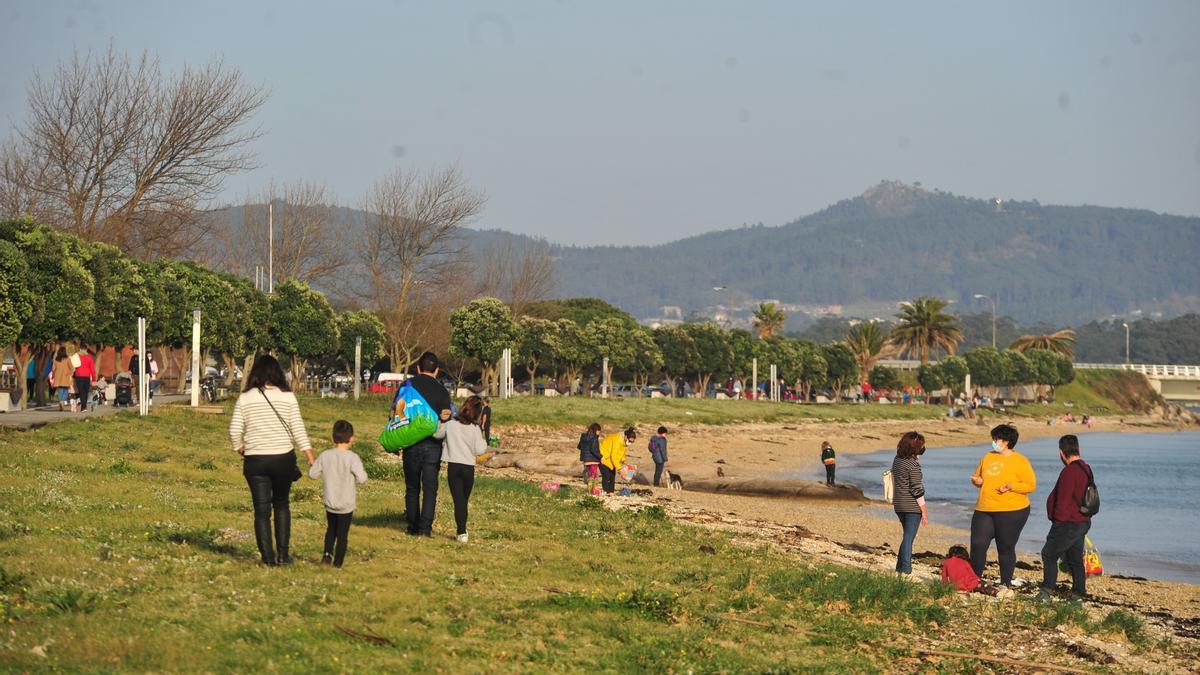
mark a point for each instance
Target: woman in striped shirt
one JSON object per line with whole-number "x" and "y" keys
{"x": 266, "y": 424}
{"x": 908, "y": 495}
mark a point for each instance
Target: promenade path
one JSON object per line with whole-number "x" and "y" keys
{"x": 23, "y": 420}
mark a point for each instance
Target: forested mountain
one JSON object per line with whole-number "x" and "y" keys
{"x": 1063, "y": 264}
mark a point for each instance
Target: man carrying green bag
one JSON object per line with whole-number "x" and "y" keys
{"x": 419, "y": 404}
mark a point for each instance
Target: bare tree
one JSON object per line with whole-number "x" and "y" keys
{"x": 308, "y": 245}
{"x": 129, "y": 154}
{"x": 412, "y": 254}
{"x": 20, "y": 170}
{"x": 519, "y": 278}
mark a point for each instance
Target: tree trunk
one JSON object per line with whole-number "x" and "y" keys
{"x": 22, "y": 355}
{"x": 182, "y": 363}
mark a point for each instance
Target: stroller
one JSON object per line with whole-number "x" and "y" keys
{"x": 124, "y": 384}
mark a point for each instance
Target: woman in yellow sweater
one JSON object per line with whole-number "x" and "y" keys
{"x": 1005, "y": 480}
{"x": 612, "y": 457}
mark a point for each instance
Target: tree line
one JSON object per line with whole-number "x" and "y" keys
{"x": 566, "y": 348}
{"x": 58, "y": 288}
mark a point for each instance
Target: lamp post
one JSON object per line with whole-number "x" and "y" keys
{"x": 195, "y": 357}
{"x": 981, "y": 296}
{"x": 1126, "y": 325}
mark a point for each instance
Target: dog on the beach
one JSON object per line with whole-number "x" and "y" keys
{"x": 676, "y": 482}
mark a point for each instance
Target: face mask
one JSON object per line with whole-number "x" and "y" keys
{"x": 995, "y": 446}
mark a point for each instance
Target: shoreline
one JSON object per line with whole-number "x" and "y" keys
{"x": 856, "y": 532}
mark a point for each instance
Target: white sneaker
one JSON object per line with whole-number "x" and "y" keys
{"x": 462, "y": 538}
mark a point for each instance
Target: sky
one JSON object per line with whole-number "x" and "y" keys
{"x": 634, "y": 122}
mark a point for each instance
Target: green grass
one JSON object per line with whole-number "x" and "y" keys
{"x": 136, "y": 563}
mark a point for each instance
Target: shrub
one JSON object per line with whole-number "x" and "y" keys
{"x": 121, "y": 466}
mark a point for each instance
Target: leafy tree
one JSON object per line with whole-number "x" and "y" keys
{"x": 537, "y": 343}
{"x": 924, "y": 328}
{"x": 712, "y": 350}
{"x": 16, "y": 304}
{"x": 574, "y": 351}
{"x": 122, "y": 294}
{"x": 678, "y": 350}
{"x": 610, "y": 338}
{"x": 1018, "y": 369}
{"x": 580, "y": 310}
{"x": 1059, "y": 342}
{"x": 769, "y": 320}
{"x": 481, "y": 330}
{"x": 61, "y": 304}
{"x": 953, "y": 370}
{"x": 302, "y": 325}
{"x": 647, "y": 358}
{"x": 930, "y": 377}
{"x": 988, "y": 367}
{"x": 352, "y": 325}
{"x": 882, "y": 377}
{"x": 253, "y": 334}
{"x": 841, "y": 366}
{"x": 868, "y": 342}
{"x": 809, "y": 370}
{"x": 741, "y": 351}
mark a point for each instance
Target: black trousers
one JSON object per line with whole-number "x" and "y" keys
{"x": 83, "y": 389}
{"x": 270, "y": 481}
{"x": 337, "y": 529}
{"x": 658, "y": 472}
{"x": 1003, "y": 526}
{"x": 1065, "y": 538}
{"x": 422, "y": 462}
{"x": 461, "y": 478}
{"x": 830, "y": 469}
{"x": 608, "y": 479}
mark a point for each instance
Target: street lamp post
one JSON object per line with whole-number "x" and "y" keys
{"x": 981, "y": 296}
{"x": 1126, "y": 325}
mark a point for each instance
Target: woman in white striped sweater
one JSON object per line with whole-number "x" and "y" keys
{"x": 908, "y": 496}
{"x": 266, "y": 425}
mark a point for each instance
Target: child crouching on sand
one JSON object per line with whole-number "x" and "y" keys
{"x": 462, "y": 442}
{"x": 956, "y": 570}
{"x": 341, "y": 469}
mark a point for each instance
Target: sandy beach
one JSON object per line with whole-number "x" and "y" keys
{"x": 853, "y": 531}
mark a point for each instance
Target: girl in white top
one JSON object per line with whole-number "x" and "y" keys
{"x": 462, "y": 442}
{"x": 266, "y": 424}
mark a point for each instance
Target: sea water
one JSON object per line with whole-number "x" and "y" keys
{"x": 1149, "y": 495}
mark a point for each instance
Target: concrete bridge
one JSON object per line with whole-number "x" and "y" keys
{"x": 1178, "y": 384}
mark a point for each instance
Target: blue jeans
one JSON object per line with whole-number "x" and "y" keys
{"x": 910, "y": 522}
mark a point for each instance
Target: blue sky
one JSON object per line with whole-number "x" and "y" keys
{"x": 644, "y": 122}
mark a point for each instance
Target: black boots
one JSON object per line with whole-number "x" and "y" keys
{"x": 283, "y": 534}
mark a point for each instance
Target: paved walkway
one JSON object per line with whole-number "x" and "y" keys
{"x": 32, "y": 418}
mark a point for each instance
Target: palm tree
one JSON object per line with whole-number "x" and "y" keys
{"x": 1059, "y": 342}
{"x": 924, "y": 328}
{"x": 768, "y": 320}
{"x": 869, "y": 344}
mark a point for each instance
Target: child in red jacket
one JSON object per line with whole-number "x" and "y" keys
{"x": 956, "y": 570}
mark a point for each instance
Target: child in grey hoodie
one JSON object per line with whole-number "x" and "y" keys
{"x": 341, "y": 469}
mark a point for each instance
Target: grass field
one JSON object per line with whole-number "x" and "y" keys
{"x": 126, "y": 544}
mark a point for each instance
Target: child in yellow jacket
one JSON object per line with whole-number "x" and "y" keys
{"x": 612, "y": 457}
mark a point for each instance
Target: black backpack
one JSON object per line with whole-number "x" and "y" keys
{"x": 1090, "y": 505}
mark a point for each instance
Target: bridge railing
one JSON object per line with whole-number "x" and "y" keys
{"x": 1159, "y": 370}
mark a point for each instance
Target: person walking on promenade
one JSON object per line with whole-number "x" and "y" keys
{"x": 61, "y": 377}
{"x": 85, "y": 375}
{"x": 829, "y": 459}
{"x": 612, "y": 457}
{"x": 1005, "y": 480}
{"x": 658, "y": 454}
{"x": 909, "y": 495}
{"x": 1069, "y": 525}
{"x": 423, "y": 460}
{"x": 462, "y": 443}
{"x": 264, "y": 428}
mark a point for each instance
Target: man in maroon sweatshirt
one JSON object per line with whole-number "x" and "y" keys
{"x": 1068, "y": 526}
